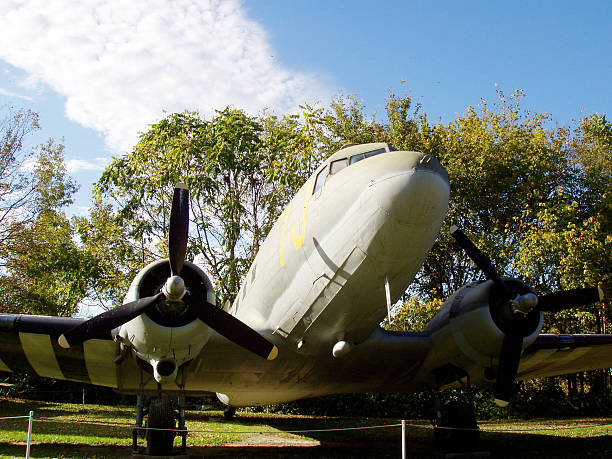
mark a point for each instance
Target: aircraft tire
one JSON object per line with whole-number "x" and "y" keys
{"x": 461, "y": 416}
{"x": 229, "y": 412}
{"x": 161, "y": 416}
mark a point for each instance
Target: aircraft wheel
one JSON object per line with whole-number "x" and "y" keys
{"x": 161, "y": 416}
{"x": 461, "y": 416}
{"x": 229, "y": 412}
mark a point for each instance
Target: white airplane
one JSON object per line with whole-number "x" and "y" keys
{"x": 305, "y": 322}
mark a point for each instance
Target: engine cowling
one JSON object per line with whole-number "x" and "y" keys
{"x": 469, "y": 329}
{"x": 169, "y": 334}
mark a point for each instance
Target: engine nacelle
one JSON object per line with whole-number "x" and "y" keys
{"x": 469, "y": 329}
{"x": 168, "y": 335}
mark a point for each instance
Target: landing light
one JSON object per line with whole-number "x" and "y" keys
{"x": 341, "y": 348}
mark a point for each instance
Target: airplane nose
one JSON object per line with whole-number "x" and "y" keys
{"x": 415, "y": 188}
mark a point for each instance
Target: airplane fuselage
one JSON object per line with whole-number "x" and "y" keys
{"x": 319, "y": 277}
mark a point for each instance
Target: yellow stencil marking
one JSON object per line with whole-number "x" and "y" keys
{"x": 298, "y": 241}
{"x": 282, "y": 242}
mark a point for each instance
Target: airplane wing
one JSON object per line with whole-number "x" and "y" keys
{"x": 28, "y": 343}
{"x": 552, "y": 355}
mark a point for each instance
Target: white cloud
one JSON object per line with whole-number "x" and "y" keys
{"x": 4, "y": 92}
{"x": 78, "y": 165}
{"x": 120, "y": 64}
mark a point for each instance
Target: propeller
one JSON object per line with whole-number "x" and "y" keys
{"x": 233, "y": 329}
{"x": 173, "y": 291}
{"x": 108, "y": 320}
{"x": 179, "y": 228}
{"x": 558, "y": 301}
{"x": 519, "y": 305}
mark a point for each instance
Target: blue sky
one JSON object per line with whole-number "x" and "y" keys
{"x": 98, "y": 72}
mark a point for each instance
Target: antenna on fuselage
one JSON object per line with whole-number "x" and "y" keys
{"x": 388, "y": 294}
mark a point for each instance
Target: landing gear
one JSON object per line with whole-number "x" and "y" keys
{"x": 455, "y": 427}
{"x": 229, "y": 412}
{"x": 137, "y": 430}
{"x": 181, "y": 418}
{"x": 161, "y": 416}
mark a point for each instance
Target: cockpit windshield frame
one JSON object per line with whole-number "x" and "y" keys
{"x": 340, "y": 164}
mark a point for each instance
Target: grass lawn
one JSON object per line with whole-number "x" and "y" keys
{"x": 105, "y": 431}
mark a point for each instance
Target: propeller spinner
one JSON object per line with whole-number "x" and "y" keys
{"x": 173, "y": 291}
{"x": 520, "y": 305}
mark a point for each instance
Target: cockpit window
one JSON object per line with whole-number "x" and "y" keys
{"x": 361, "y": 156}
{"x": 338, "y": 165}
{"x": 320, "y": 180}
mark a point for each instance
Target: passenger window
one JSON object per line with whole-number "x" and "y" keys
{"x": 337, "y": 166}
{"x": 320, "y": 180}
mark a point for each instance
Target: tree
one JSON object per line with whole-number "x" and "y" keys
{"x": 516, "y": 185}
{"x": 16, "y": 190}
{"x": 46, "y": 272}
{"x": 237, "y": 171}
{"x": 567, "y": 238}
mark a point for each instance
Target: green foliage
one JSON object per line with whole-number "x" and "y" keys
{"x": 241, "y": 171}
{"x": 500, "y": 162}
{"x": 567, "y": 239}
{"x": 116, "y": 257}
{"x": 46, "y": 272}
{"x": 514, "y": 181}
{"x": 413, "y": 315}
{"x": 238, "y": 168}
{"x": 536, "y": 200}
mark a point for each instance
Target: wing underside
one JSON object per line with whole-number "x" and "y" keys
{"x": 29, "y": 344}
{"x": 552, "y": 355}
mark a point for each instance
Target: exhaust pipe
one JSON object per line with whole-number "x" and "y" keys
{"x": 164, "y": 371}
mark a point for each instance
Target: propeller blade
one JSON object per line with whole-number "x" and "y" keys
{"x": 233, "y": 329}
{"x": 509, "y": 359}
{"x": 567, "y": 299}
{"x": 479, "y": 259}
{"x": 179, "y": 228}
{"x": 107, "y": 321}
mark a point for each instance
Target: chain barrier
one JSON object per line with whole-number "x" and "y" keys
{"x": 487, "y": 428}
{"x": 305, "y": 431}
{"x": 124, "y": 426}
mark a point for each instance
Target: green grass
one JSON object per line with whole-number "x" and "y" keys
{"x": 61, "y": 431}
